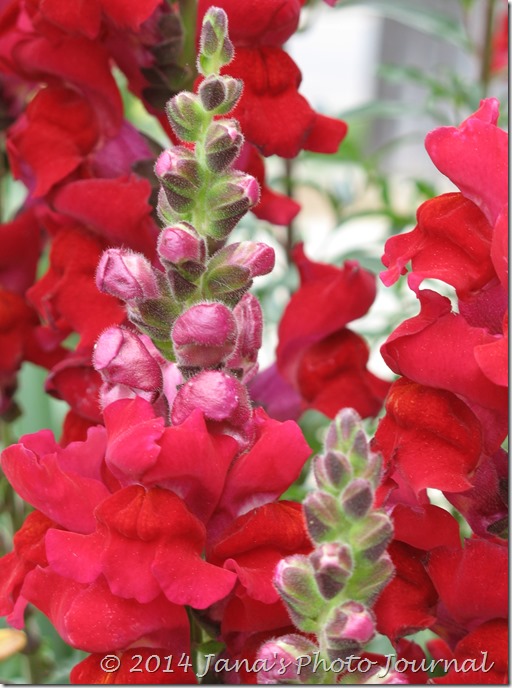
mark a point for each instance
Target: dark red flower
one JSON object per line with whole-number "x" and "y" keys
{"x": 317, "y": 354}
{"x": 429, "y": 438}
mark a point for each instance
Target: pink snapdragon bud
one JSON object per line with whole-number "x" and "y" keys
{"x": 204, "y": 335}
{"x": 126, "y": 275}
{"x": 323, "y": 517}
{"x": 220, "y": 396}
{"x": 249, "y": 324}
{"x": 333, "y": 566}
{"x": 181, "y": 245}
{"x": 185, "y": 115}
{"x": 332, "y": 471}
{"x": 255, "y": 257}
{"x": 348, "y": 628}
{"x": 294, "y": 578}
{"x": 121, "y": 358}
{"x": 178, "y": 170}
{"x": 220, "y": 94}
{"x": 222, "y": 144}
{"x": 286, "y": 660}
{"x": 229, "y": 200}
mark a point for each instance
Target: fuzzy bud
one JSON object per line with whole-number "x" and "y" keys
{"x": 220, "y": 94}
{"x": 222, "y": 144}
{"x": 257, "y": 258}
{"x": 323, "y": 517}
{"x": 185, "y": 115}
{"x": 178, "y": 171}
{"x": 229, "y": 200}
{"x": 121, "y": 358}
{"x": 348, "y": 628}
{"x": 249, "y": 323}
{"x": 357, "y": 498}
{"x": 333, "y": 566}
{"x": 289, "y": 660}
{"x": 370, "y": 584}
{"x": 373, "y": 535}
{"x": 295, "y": 581}
{"x": 126, "y": 275}
{"x": 204, "y": 335}
{"x": 180, "y": 246}
{"x": 332, "y": 471}
{"x": 215, "y": 47}
{"x": 221, "y": 397}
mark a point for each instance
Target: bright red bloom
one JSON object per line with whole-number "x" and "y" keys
{"x": 407, "y": 603}
{"x": 156, "y": 516}
{"x": 85, "y": 16}
{"x": 317, "y": 354}
{"x": 21, "y": 246}
{"x": 470, "y": 592}
{"x": 429, "y": 438}
{"x": 451, "y": 242}
{"x": 481, "y": 657}
{"x": 474, "y": 157}
{"x": 272, "y": 114}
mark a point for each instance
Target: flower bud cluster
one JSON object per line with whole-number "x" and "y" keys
{"x": 193, "y": 304}
{"x": 330, "y": 592}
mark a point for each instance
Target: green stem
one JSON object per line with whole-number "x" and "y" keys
{"x": 485, "y": 65}
{"x": 289, "y": 192}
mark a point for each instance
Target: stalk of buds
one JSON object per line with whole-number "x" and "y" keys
{"x": 330, "y": 592}
{"x": 194, "y": 307}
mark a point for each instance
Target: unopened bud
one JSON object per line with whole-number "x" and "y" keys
{"x": 216, "y": 49}
{"x": 257, "y": 258}
{"x": 288, "y": 659}
{"x": 181, "y": 246}
{"x": 332, "y": 471}
{"x": 373, "y": 534}
{"x": 220, "y": 396}
{"x": 348, "y": 628}
{"x": 222, "y": 144}
{"x": 342, "y": 430}
{"x": 249, "y": 324}
{"x": 121, "y": 358}
{"x": 229, "y": 200}
{"x": 372, "y": 580}
{"x": 323, "y": 516}
{"x": 204, "y": 335}
{"x": 220, "y": 94}
{"x": 185, "y": 115}
{"x": 357, "y": 498}
{"x": 178, "y": 171}
{"x": 295, "y": 581}
{"x": 333, "y": 566}
{"x": 126, "y": 275}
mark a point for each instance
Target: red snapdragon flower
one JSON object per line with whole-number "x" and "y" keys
{"x": 318, "y": 355}
{"x": 124, "y": 531}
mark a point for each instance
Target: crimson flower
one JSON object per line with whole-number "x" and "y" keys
{"x": 321, "y": 358}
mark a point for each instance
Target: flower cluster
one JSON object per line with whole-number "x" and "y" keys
{"x": 446, "y": 415}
